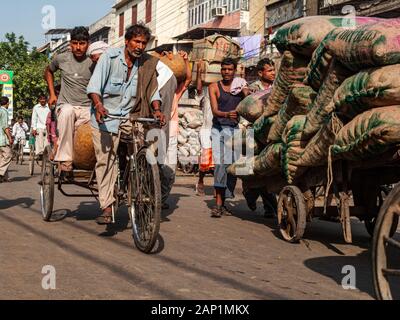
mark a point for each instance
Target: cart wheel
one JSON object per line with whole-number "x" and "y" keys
{"x": 292, "y": 213}
{"x": 47, "y": 186}
{"x": 386, "y": 249}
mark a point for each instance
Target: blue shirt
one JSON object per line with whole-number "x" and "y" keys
{"x": 3, "y": 125}
{"x": 109, "y": 81}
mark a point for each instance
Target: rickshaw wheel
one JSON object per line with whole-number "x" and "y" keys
{"x": 383, "y": 263}
{"x": 292, "y": 214}
{"x": 47, "y": 186}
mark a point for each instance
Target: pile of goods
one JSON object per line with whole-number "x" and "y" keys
{"x": 212, "y": 50}
{"x": 190, "y": 123}
{"x": 336, "y": 96}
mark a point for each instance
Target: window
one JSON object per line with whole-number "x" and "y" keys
{"x": 134, "y": 15}
{"x": 148, "y": 11}
{"x": 121, "y": 24}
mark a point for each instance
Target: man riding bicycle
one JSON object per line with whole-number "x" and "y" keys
{"x": 19, "y": 131}
{"x": 124, "y": 81}
{"x": 39, "y": 117}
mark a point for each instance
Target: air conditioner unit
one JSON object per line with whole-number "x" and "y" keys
{"x": 218, "y": 11}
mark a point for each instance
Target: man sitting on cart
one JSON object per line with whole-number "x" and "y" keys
{"x": 124, "y": 81}
{"x": 73, "y": 104}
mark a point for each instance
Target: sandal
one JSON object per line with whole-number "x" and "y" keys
{"x": 216, "y": 212}
{"x": 105, "y": 218}
{"x": 226, "y": 211}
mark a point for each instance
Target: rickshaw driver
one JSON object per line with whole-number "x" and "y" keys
{"x": 124, "y": 81}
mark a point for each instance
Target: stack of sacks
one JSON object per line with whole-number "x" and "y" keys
{"x": 292, "y": 147}
{"x": 298, "y": 102}
{"x": 322, "y": 107}
{"x": 304, "y": 35}
{"x": 368, "y": 89}
{"x": 369, "y": 134}
{"x": 190, "y": 122}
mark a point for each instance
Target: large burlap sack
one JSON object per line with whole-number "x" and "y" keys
{"x": 368, "y": 89}
{"x": 319, "y": 65}
{"x": 298, "y": 102}
{"x": 252, "y": 107}
{"x": 265, "y": 164}
{"x": 292, "y": 70}
{"x": 84, "y": 155}
{"x": 305, "y": 34}
{"x": 369, "y": 134}
{"x": 261, "y": 128}
{"x": 323, "y": 104}
{"x": 292, "y": 147}
{"x": 317, "y": 149}
{"x": 371, "y": 45}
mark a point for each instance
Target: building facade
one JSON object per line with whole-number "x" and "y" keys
{"x": 165, "y": 18}
{"x": 370, "y": 8}
{"x": 103, "y": 29}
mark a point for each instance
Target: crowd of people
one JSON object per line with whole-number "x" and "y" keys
{"x": 97, "y": 81}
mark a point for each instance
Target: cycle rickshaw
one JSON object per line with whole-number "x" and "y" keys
{"x": 138, "y": 184}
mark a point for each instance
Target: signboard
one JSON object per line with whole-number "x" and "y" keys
{"x": 6, "y": 79}
{"x": 280, "y": 13}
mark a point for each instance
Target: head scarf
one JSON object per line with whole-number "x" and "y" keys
{"x": 97, "y": 47}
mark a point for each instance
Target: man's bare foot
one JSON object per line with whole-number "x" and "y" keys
{"x": 200, "y": 189}
{"x": 106, "y": 217}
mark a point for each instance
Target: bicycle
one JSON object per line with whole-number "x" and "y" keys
{"x": 19, "y": 151}
{"x": 138, "y": 185}
{"x": 141, "y": 182}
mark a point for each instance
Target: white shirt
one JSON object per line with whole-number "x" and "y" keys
{"x": 19, "y": 130}
{"x": 164, "y": 74}
{"x": 39, "y": 116}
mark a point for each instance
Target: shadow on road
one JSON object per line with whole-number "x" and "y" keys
{"x": 332, "y": 267}
{"x": 173, "y": 202}
{"x": 23, "y": 202}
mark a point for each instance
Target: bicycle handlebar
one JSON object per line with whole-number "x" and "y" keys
{"x": 141, "y": 120}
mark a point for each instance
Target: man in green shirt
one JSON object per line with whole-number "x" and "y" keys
{"x": 6, "y": 140}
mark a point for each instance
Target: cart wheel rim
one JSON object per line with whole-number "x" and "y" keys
{"x": 292, "y": 214}
{"x": 383, "y": 242}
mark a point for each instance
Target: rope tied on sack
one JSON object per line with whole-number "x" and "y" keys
{"x": 336, "y": 125}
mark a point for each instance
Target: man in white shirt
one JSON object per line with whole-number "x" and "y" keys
{"x": 39, "y": 116}
{"x": 19, "y": 131}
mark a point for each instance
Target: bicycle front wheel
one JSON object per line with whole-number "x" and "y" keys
{"x": 144, "y": 200}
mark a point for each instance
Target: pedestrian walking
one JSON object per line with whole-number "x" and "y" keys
{"x": 38, "y": 125}
{"x": 6, "y": 140}
{"x": 225, "y": 121}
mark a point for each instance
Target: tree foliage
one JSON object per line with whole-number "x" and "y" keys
{"x": 28, "y": 67}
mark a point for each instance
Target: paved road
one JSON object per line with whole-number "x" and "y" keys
{"x": 239, "y": 257}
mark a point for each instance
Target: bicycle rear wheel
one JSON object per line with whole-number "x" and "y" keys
{"x": 144, "y": 200}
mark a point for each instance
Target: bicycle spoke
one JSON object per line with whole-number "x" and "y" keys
{"x": 392, "y": 242}
{"x": 391, "y": 272}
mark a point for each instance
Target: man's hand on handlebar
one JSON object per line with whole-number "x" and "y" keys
{"x": 158, "y": 115}
{"x": 52, "y": 101}
{"x": 101, "y": 113}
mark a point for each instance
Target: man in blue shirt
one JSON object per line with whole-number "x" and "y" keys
{"x": 124, "y": 82}
{"x": 6, "y": 140}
